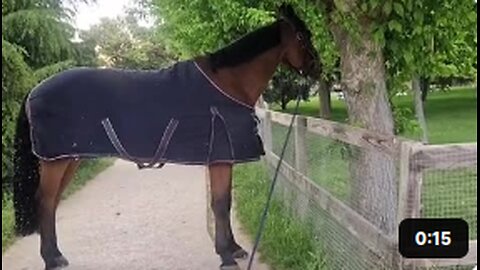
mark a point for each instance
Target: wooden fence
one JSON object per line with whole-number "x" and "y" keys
{"x": 416, "y": 160}
{"x": 409, "y": 180}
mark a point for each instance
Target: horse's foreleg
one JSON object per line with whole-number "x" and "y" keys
{"x": 221, "y": 186}
{"x": 51, "y": 175}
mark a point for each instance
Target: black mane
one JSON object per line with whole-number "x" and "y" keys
{"x": 247, "y": 47}
{"x": 252, "y": 44}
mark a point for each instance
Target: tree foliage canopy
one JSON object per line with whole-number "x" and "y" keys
{"x": 121, "y": 42}
{"x": 429, "y": 38}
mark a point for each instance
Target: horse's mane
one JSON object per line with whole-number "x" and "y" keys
{"x": 254, "y": 43}
{"x": 247, "y": 47}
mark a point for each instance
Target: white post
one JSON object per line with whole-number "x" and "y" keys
{"x": 300, "y": 145}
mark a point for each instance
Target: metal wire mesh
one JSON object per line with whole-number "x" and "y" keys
{"x": 334, "y": 165}
{"x": 329, "y": 164}
{"x": 339, "y": 248}
{"x": 447, "y": 189}
{"x": 439, "y": 183}
{"x": 451, "y": 194}
{"x": 279, "y": 133}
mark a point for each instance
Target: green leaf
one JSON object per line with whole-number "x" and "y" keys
{"x": 374, "y": 3}
{"x": 408, "y": 56}
{"x": 417, "y": 30}
{"x": 395, "y": 25}
{"x": 409, "y": 5}
{"x": 472, "y": 16}
{"x": 418, "y": 16}
{"x": 387, "y": 7}
{"x": 398, "y": 9}
{"x": 364, "y": 7}
{"x": 379, "y": 37}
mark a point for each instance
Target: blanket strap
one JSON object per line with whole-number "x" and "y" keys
{"x": 162, "y": 147}
{"x": 107, "y": 125}
{"x": 159, "y": 153}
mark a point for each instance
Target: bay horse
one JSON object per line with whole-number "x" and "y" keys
{"x": 203, "y": 106}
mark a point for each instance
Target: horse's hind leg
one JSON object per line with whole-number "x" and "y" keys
{"x": 67, "y": 178}
{"x": 51, "y": 175}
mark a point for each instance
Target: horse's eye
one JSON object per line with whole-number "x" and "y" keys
{"x": 299, "y": 37}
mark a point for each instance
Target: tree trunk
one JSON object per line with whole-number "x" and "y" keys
{"x": 417, "y": 94}
{"x": 284, "y": 102}
{"x": 373, "y": 191}
{"x": 325, "y": 100}
{"x": 424, "y": 87}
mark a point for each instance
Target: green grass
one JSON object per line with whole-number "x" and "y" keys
{"x": 7, "y": 223}
{"x": 451, "y": 115}
{"x": 88, "y": 170}
{"x": 286, "y": 242}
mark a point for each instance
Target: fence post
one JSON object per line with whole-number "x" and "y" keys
{"x": 300, "y": 145}
{"x": 405, "y": 152}
{"x": 409, "y": 189}
{"x": 301, "y": 202}
{"x": 267, "y": 132}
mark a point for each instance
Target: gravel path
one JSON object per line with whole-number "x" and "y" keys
{"x": 131, "y": 219}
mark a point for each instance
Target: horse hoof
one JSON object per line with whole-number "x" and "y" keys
{"x": 62, "y": 261}
{"x": 230, "y": 267}
{"x": 56, "y": 268}
{"x": 57, "y": 263}
{"x": 240, "y": 254}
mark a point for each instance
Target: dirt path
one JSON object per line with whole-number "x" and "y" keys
{"x": 131, "y": 219}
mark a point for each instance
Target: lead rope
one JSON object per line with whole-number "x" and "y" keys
{"x": 272, "y": 186}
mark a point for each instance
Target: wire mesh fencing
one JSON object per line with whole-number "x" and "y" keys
{"x": 351, "y": 187}
{"x": 446, "y": 187}
{"x": 315, "y": 185}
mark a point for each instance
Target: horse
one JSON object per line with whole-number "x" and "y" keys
{"x": 204, "y": 106}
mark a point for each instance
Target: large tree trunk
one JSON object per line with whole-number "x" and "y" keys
{"x": 363, "y": 81}
{"x": 325, "y": 100}
{"x": 419, "y": 112}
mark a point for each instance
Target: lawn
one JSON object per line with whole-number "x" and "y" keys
{"x": 451, "y": 115}
{"x": 88, "y": 170}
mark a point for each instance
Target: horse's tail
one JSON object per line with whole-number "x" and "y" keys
{"x": 26, "y": 177}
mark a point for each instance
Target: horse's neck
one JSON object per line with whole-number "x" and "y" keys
{"x": 252, "y": 78}
{"x": 249, "y": 80}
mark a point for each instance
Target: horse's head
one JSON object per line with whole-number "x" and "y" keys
{"x": 297, "y": 40}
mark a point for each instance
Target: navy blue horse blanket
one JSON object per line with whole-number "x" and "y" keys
{"x": 171, "y": 115}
